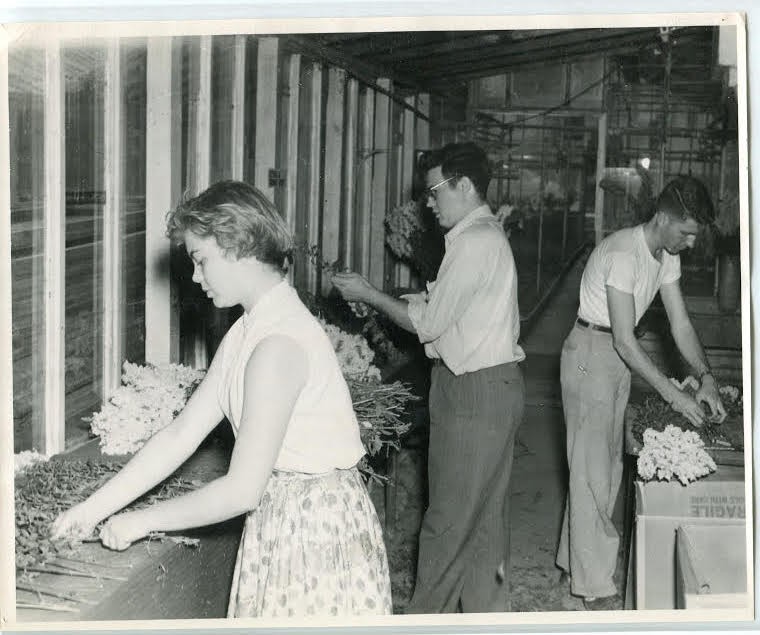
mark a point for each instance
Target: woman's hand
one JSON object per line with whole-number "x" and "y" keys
{"x": 122, "y": 530}
{"x": 74, "y": 524}
{"x": 353, "y": 287}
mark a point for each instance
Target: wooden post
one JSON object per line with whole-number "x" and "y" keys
{"x": 52, "y": 439}
{"x": 364, "y": 186}
{"x": 200, "y": 117}
{"x": 333, "y": 170}
{"x": 162, "y": 187}
{"x": 380, "y": 186}
{"x": 237, "y": 133}
{"x": 291, "y": 144}
{"x": 346, "y": 253}
{"x": 199, "y": 166}
{"x": 422, "y": 131}
{"x": 113, "y": 277}
{"x": 601, "y": 160}
{"x": 266, "y": 113}
{"x": 422, "y": 142}
{"x": 314, "y": 206}
{"x": 540, "y": 246}
{"x": 403, "y": 273}
{"x": 7, "y": 583}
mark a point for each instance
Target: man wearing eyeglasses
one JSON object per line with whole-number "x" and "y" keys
{"x": 469, "y": 322}
{"x": 622, "y": 276}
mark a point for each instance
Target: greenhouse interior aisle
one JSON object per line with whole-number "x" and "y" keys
{"x": 539, "y": 477}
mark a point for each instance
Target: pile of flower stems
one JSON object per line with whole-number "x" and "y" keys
{"x": 46, "y": 489}
{"x": 656, "y": 414}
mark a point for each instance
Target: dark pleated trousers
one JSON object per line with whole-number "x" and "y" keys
{"x": 463, "y": 561}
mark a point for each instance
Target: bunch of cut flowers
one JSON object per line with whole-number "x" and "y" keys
{"x": 673, "y": 453}
{"x": 149, "y": 398}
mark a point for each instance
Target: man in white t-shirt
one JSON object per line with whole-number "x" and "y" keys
{"x": 623, "y": 274}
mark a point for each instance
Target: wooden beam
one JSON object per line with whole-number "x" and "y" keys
{"x": 346, "y": 253}
{"x": 52, "y": 439}
{"x": 237, "y": 141}
{"x": 164, "y": 115}
{"x": 364, "y": 181}
{"x": 380, "y": 187}
{"x": 266, "y": 112}
{"x": 601, "y": 162}
{"x": 333, "y": 169}
{"x": 572, "y": 42}
{"x": 443, "y": 47}
{"x": 113, "y": 227}
{"x": 359, "y": 69}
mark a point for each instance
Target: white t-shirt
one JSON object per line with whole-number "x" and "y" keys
{"x": 623, "y": 261}
{"x": 323, "y": 433}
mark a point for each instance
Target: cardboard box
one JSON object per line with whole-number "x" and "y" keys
{"x": 661, "y": 507}
{"x": 711, "y": 567}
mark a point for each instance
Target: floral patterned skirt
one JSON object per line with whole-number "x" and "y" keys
{"x": 313, "y": 546}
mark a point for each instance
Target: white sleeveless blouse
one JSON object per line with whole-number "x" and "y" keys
{"x": 323, "y": 433}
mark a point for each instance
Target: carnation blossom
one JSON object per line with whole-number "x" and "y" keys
{"x": 353, "y": 352}
{"x": 673, "y": 453}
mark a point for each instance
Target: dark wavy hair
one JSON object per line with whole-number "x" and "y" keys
{"x": 241, "y": 219}
{"x": 686, "y": 197}
{"x": 458, "y": 160}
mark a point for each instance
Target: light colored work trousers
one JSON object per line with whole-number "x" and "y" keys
{"x": 596, "y": 385}
{"x": 463, "y": 561}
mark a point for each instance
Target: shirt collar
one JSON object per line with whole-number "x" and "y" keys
{"x": 271, "y": 299}
{"x": 482, "y": 211}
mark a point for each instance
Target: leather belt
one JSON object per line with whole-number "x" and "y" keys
{"x": 593, "y": 327}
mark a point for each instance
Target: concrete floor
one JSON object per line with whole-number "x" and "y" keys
{"x": 539, "y": 476}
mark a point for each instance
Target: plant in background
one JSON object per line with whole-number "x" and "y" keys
{"x": 353, "y": 352}
{"x": 401, "y": 224}
{"x": 413, "y": 240}
{"x": 726, "y": 234}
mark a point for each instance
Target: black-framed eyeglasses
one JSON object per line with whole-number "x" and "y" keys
{"x": 430, "y": 191}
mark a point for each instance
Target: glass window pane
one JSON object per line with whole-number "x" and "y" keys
{"x": 26, "y": 95}
{"x": 134, "y": 68}
{"x": 84, "y": 71}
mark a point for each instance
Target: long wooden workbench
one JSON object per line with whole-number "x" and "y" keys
{"x": 151, "y": 579}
